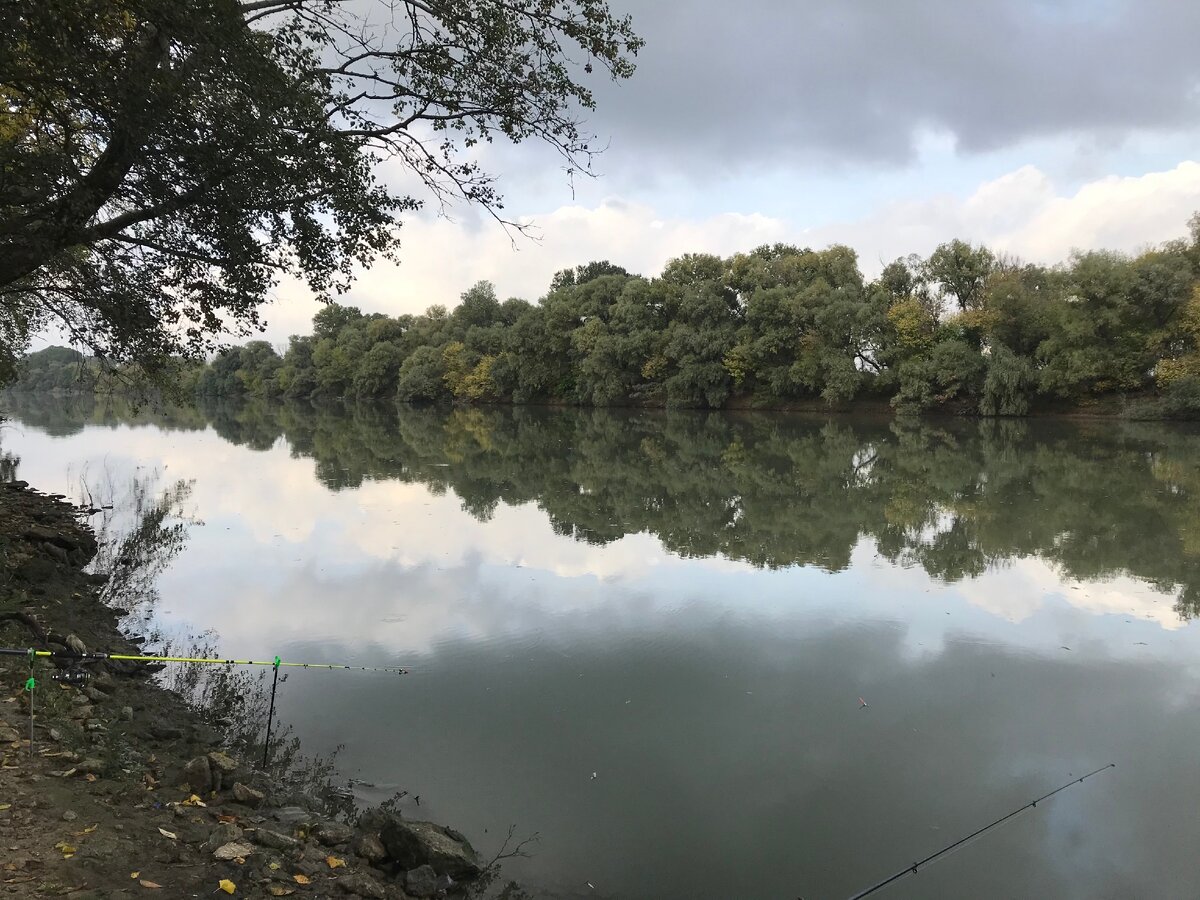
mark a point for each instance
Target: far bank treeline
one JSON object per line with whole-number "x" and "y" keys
{"x": 964, "y": 329}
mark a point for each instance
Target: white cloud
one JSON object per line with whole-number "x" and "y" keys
{"x": 1020, "y": 212}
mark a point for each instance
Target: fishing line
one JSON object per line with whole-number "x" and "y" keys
{"x": 80, "y": 677}
{"x": 974, "y": 834}
{"x": 125, "y": 657}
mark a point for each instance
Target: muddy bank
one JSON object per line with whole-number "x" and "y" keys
{"x": 127, "y": 789}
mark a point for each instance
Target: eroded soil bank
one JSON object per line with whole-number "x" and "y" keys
{"x": 129, "y": 790}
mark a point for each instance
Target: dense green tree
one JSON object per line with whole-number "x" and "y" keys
{"x": 962, "y": 271}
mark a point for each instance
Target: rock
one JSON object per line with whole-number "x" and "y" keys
{"x": 222, "y": 762}
{"x": 222, "y": 767}
{"x": 369, "y": 847}
{"x": 372, "y": 820}
{"x": 361, "y": 885}
{"x": 293, "y": 815}
{"x": 421, "y": 881}
{"x": 274, "y": 839}
{"x": 8, "y": 734}
{"x": 247, "y": 795}
{"x": 90, "y": 766}
{"x": 56, "y": 553}
{"x": 332, "y": 833}
{"x": 70, "y": 815}
{"x": 233, "y": 850}
{"x": 444, "y": 884}
{"x": 413, "y": 844}
{"x": 76, "y": 645}
{"x": 225, "y": 833}
{"x": 127, "y": 713}
{"x": 55, "y": 734}
{"x": 165, "y": 731}
{"x": 197, "y": 775}
{"x": 92, "y": 694}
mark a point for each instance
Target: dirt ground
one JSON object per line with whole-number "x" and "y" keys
{"x": 126, "y": 790}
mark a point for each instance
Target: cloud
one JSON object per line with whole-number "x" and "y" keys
{"x": 861, "y": 80}
{"x": 1021, "y": 212}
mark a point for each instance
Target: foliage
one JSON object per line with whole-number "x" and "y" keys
{"x": 167, "y": 162}
{"x": 777, "y": 325}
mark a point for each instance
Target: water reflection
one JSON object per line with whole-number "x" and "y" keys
{"x": 1094, "y": 499}
{"x": 689, "y": 606}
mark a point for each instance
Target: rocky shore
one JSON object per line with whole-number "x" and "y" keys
{"x": 128, "y": 790}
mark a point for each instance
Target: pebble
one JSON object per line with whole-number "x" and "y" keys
{"x": 127, "y": 713}
{"x": 70, "y": 815}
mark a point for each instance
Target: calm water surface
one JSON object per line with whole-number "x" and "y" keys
{"x": 644, "y": 636}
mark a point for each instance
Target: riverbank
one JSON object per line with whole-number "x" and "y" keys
{"x": 126, "y": 789}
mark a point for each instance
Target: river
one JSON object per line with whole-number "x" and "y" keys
{"x": 648, "y": 637}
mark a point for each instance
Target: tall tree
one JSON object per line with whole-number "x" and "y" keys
{"x": 166, "y": 162}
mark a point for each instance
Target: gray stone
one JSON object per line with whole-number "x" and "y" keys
{"x": 225, "y": 833}
{"x": 233, "y": 850}
{"x": 369, "y": 847}
{"x": 94, "y": 695}
{"x": 165, "y": 731}
{"x": 197, "y": 775}
{"x": 247, "y": 795}
{"x": 293, "y": 815}
{"x": 90, "y": 766}
{"x": 372, "y": 820}
{"x": 361, "y": 885}
{"x": 333, "y": 833}
{"x": 70, "y": 815}
{"x": 8, "y": 734}
{"x": 413, "y": 844}
{"x": 222, "y": 762}
{"x": 421, "y": 881}
{"x": 274, "y": 839}
{"x": 127, "y": 713}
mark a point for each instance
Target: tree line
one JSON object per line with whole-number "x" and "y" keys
{"x": 965, "y": 329}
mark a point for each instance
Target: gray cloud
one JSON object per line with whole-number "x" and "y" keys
{"x": 861, "y": 80}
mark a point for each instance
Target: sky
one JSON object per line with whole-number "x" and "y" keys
{"x": 1035, "y": 126}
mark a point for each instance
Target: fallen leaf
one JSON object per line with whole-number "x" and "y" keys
{"x": 272, "y": 865}
{"x": 226, "y": 885}
{"x": 193, "y": 801}
{"x": 168, "y": 834}
{"x": 301, "y": 879}
{"x": 134, "y": 874}
{"x": 227, "y": 819}
{"x": 67, "y": 850}
{"x": 278, "y": 890}
{"x": 89, "y": 777}
{"x": 154, "y": 885}
{"x": 87, "y": 830}
{"x": 334, "y": 862}
{"x": 4, "y": 806}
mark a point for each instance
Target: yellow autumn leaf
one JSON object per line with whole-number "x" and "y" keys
{"x": 4, "y": 806}
{"x": 226, "y": 885}
{"x": 272, "y": 865}
{"x": 67, "y": 850}
{"x": 334, "y": 862}
{"x": 301, "y": 879}
{"x": 153, "y": 885}
{"x": 134, "y": 874}
{"x": 278, "y": 890}
{"x": 168, "y": 834}
{"x": 193, "y": 801}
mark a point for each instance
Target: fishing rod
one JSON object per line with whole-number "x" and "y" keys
{"x": 974, "y": 834}
{"x": 80, "y": 677}
{"x": 71, "y": 656}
